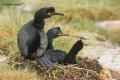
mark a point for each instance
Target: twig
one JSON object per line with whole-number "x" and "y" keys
{"x": 2, "y": 53}
{"x": 87, "y": 74}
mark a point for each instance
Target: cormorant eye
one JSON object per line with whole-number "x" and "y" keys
{"x": 49, "y": 12}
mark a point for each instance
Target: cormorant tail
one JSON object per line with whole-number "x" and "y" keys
{"x": 70, "y": 58}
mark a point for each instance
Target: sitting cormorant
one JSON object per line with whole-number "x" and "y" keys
{"x": 31, "y": 38}
{"x": 59, "y": 56}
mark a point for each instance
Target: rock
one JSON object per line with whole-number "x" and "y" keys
{"x": 109, "y": 24}
{"x": 108, "y": 57}
{"x": 112, "y": 29}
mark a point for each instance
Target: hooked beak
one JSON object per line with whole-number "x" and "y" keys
{"x": 56, "y": 13}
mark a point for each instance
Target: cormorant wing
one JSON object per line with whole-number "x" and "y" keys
{"x": 44, "y": 61}
{"x": 22, "y": 40}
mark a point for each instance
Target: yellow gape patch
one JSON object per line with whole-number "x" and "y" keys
{"x": 49, "y": 14}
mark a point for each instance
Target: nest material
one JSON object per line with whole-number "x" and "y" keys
{"x": 90, "y": 64}
{"x": 71, "y": 73}
{"x": 86, "y": 69}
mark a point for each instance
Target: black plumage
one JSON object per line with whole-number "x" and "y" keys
{"x": 32, "y": 42}
{"x": 31, "y": 39}
{"x": 59, "y": 56}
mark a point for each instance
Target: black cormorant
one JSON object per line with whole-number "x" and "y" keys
{"x": 59, "y": 56}
{"x": 54, "y": 56}
{"x": 31, "y": 38}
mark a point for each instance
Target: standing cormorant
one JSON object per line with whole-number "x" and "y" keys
{"x": 31, "y": 38}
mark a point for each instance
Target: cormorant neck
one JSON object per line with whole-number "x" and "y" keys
{"x": 39, "y": 23}
{"x": 50, "y": 41}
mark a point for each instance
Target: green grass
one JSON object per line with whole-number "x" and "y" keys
{"x": 5, "y": 2}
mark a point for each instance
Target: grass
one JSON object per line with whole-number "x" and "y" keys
{"x": 80, "y": 16}
{"x": 8, "y": 72}
{"x": 8, "y": 2}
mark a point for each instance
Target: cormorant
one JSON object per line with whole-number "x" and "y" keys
{"x": 31, "y": 38}
{"x": 59, "y": 56}
{"x": 54, "y": 56}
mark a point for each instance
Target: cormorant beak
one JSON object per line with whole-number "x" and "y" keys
{"x": 63, "y": 34}
{"x": 56, "y": 13}
{"x": 81, "y": 37}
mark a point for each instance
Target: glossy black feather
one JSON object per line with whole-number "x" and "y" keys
{"x": 59, "y": 56}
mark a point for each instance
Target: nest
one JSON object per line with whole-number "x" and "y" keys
{"x": 86, "y": 69}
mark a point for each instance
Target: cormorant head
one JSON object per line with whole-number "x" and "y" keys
{"x": 54, "y": 32}
{"x": 46, "y": 13}
{"x": 51, "y": 34}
